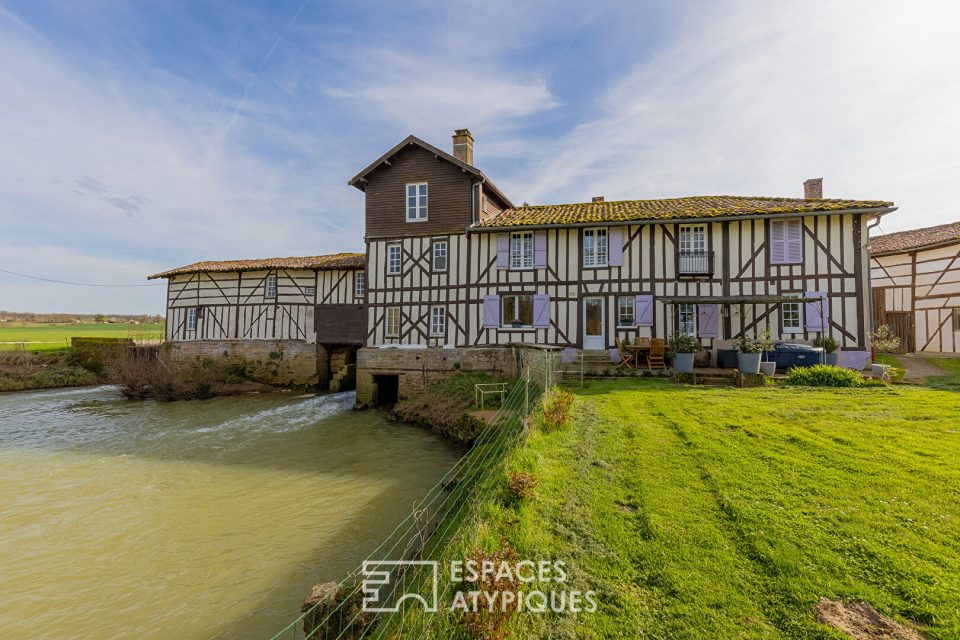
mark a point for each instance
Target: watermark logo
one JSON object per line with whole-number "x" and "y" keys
{"x": 382, "y": 579}
{"x": 485, "y": 585}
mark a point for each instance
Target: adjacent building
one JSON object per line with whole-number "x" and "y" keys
{"x": 303, "y": 316}
{"x": 916, "y": 287}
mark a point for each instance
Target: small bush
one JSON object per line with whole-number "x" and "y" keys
{"x": 556, "y": 409}
{"x": 824, "y": 375}
{"x": 521, "y": 484}
{"x": 490, "y": 620}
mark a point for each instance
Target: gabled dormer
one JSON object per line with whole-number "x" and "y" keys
{"x": 416, "y": 189}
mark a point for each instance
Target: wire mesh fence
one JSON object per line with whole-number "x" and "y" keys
{"x": 407, "y": 567}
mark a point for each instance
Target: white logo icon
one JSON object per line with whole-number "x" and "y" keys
{"x": 378, "y": 574}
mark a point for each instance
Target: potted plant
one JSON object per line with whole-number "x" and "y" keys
{"x": 748, "y": 355}
{"x": 766, "y": 344}
{"x": 829, "y": 346}
{"x": 884, "y": 341}
{"x": 683, "y": 347}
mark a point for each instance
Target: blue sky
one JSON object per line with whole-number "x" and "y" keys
{"x": 137, "y": 136}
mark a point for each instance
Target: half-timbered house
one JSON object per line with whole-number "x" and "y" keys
{"x": 915, "y": 276}
{"x": 304, "y": 315}
{"x": 456, "y": 271}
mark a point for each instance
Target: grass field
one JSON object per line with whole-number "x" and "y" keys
{"x": 699, "y": 512}
{"x": 56, "y": 337}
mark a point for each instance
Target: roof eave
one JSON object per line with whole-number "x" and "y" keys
{"x": 601, "y": 223}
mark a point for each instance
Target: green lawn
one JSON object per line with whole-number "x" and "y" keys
{"x": 710, "y": 513}
{"x": 56, "y": 337}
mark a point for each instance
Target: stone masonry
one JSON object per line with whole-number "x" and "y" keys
{"x": 416, "y": 368}
{"x": 279, "y": 362}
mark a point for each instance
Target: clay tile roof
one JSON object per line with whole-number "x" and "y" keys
{"x": 670, "y": 209}
{"x": 335, "y": 261}
{"x": 902, "y": 241}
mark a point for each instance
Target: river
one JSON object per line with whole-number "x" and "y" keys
{"x": 201, "y": 519}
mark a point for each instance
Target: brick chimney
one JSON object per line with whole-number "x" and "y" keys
{"x": 813, "y": 188}
{"x": 597, "y": 198}
{"x": 463, "y": 146}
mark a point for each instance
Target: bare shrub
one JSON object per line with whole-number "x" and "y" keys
{"x": 556, "y": 409}
{"x": 147, "y": 373}
{"x": 491, "y": 618}
{"x": 521, "y": 485}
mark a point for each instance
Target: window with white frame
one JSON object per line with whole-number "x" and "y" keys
{"x": 393, "y": 259}
{"x": 309, "y": 291}
{"x": 517, "y": 310}
{"x": 191, "y": 318}
{"x": 521, "y": 250}
{"x": 270, "y": 290}
{"x": 791, "y": 314}
{"x": 438, "y": 322}
{"x": 594, "y": 247}
{"x": 625, "y": 311}
{"x": 440, "y": 255}
{"x": 360, "y": 283}
{"x": 416, "y": 202}
{"x": 693, "y": 237}
{"x": 687, "y": 319}
{"x": 393, "y": 322}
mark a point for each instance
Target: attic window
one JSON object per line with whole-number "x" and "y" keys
{"x": 416, "y": 202}
{"x": 270, "y": 289}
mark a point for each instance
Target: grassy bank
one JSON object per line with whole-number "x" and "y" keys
{"x": 25, "y": 371}
{"x": 717, "y": 513}
{"x": 56, "y": 337}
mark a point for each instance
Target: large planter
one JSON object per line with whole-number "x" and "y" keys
{"x": 768, "y": 368}
{"x": 683, "y": 362}
{"x": 749, "y": 362}
{"x": 833, "y": 359}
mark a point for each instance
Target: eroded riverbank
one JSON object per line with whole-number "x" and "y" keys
{"x": 192, "y": 520}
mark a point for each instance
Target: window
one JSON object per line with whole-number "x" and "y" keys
{"x": 956, "y": 319}
{"x": 393, "y": 322}
{"x": 416, "y": 202}
{"x": 438, "y": 321}
{"x": 595, "y": 247}
{"x": 191, "y": 318}
{"x": 625, "y": 311}
{"x": 687, "y": 319}
{"x": 792, "y": 315}
{"x": 360, "y": 283}
{"x": 439, "y": 255}
{"x": 310, "y": 291}
{"x": 271, "y": 288}
{"x": 693, "y": 237}
{"x": 517, "y": 310}
{"x": 393, "y": 259}
{"x": 521, "y": 250}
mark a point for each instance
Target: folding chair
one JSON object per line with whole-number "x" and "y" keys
{"x": 626, "y": 359}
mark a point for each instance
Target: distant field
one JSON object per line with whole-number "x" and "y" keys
{"x": 55, "y": 337}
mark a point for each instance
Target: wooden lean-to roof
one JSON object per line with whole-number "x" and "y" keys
{"x": 360, "y": 180}
{"x": 697, "y": 207}
{"x": 915, "y": 239}
{"x": 333, "y": 262}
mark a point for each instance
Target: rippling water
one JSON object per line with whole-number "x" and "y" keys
{"x": 204, "y": 519}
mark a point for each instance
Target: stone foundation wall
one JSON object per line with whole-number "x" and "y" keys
{"x": 417, "y": 368}
{"x": 277, "y": 362}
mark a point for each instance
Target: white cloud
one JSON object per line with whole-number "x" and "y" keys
{"x": 758, "y": 96}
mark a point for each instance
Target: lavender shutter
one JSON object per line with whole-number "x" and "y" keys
{"x": 503, "y": 251}
{"x": 615, "y": 246}
{"x": 778, "y": 242}
{"x": 817, "y": 314}
{"x": 541, "y": 310}
{"x": 491, "y": 311}
{"x": 708, "y": 314}
{"x": 540, "y": 249}
{"x": 793, "y": 241}
{"x": 643, "y": 310}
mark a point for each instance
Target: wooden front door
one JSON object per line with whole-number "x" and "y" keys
{"x": 899, "y": 322}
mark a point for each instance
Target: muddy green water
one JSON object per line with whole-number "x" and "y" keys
{"x": 205, "y": 519}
